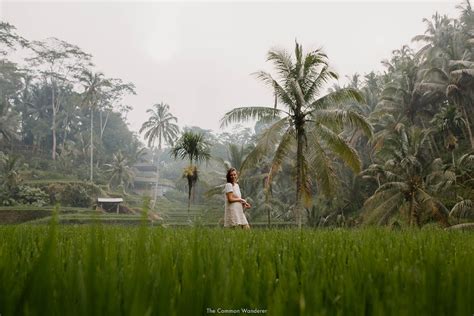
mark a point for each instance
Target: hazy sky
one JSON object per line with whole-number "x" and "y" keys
{"x": 198, "y": 56}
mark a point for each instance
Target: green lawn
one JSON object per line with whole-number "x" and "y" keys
{"x": 116, "y": 270}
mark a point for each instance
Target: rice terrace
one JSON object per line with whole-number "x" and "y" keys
{"x": 234, "y": 158}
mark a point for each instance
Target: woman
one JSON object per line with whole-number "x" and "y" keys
{"x": 234, "y": 204}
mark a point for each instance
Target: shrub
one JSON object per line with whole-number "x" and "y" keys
{"x": 77, "y": 194}
{"x": 23, "y": 195}
{"x": 31, "y": 196}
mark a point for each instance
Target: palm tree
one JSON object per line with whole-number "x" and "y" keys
{"x": 308, "y": 121}
{"x": 401, "y": 96}
{"x": 196, "y": 149}
{"x": 93, "y": 84}
{"x": 447, "y": 65}
{"x": 119, "y": 171}
{"x": 454, "y": 87}
{"x": 438, "y": 36}
{"x": 236, "y": 155}
{"x": 405, "y": 176}
{"x": 447, "y": 122}
{"x": 160, "y": 127}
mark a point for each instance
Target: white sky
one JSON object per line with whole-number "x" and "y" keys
{"x": 198, "y": 56}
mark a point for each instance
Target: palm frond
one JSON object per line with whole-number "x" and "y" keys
{"x": 430, "y": 87}
{"x": 338, "y": 146}
{"x": 321, "y": 167}
{"x": 282, "y": 61}
{"x": 338, "y": 118}
{"x": 399, "y": 186}
{"x": 286, "y": 143}
{"x": 462, "y": 209}
{"x": 461, "y": 63}
{"x": 279, "y": 91}
{"x": 381, "y": 206}
{"x": 436, "y": 75}
{"x": 335, "y": 99}
{"x": 265, "y": 144}
{"x": 247, "y": 113}
{"x": 216, "y": 190}
{"x": 322, "y": 78}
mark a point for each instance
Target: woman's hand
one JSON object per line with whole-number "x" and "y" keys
{"x": 245, "y": 204}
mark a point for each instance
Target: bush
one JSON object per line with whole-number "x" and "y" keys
{"x": 78, "y": 194}
{"x": 31, "y": 196}
{"x": 23, "y": 195}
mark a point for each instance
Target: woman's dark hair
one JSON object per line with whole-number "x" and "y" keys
{"x": 228, "y": 174}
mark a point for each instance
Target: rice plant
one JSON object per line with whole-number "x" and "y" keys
{"x": 111, "y": 270}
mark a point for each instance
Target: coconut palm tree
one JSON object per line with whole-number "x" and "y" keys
{"x": 404, "y": 175}
{"x": 448, "y": 121}
{"x": 120, "y": 173}
{"x": 447, "y": 66}
{"x": 196, "y": 149}
{"x": 308, "y": 123}
{"x": 160, "y": 127}
{"x": 93, "y": 83}
{"x": 455, "y": 88}
{"x": 437, "y": 37}
{"x": 401, "y": 96}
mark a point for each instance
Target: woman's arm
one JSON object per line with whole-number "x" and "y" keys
{"x": 231, "y": 197}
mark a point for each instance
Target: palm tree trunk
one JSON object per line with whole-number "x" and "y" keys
{"x": 92, "y": 145}
{"x": 103, "y": 124}
{"x": 299, "y": 174}
{"x": 268, "y": 218}
{"x": 64, "y": 135}
{"x": 414, "y": 216}
{"x": 53, "y": 125}
{"x": 190, "y": 187}
{"x": 157, "y": 178}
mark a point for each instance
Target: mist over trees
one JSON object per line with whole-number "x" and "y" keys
{"x": 389, "y": 148}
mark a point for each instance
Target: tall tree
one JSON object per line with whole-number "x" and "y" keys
{"x": 9, "y": 39}
{"x": 160, "y": 127}
{"x": 58, "y": 63}
{"x": 93, "y": 83}
{"x": 119, "y": 171}
{"x": 447, "y": 66}
{"x": 308, "y": 120}
{"x": 196, "y": 149}
{"x": 10, "y": 90}
{"x": 111, "y": 100}
{"x": 403, "y": 176}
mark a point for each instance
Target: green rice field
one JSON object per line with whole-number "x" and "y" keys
{"x": 116, "y": 270}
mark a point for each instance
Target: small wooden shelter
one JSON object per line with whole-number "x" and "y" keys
{"x": 109, "y": 204}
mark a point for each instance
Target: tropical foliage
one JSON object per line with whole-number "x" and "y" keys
{"x": 195, "y": 148}
{"x": 394, "y": 147}
{"x": 308, "y": 124}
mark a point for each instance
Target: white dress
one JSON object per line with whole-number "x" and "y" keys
{"x": 234, "y": 212}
